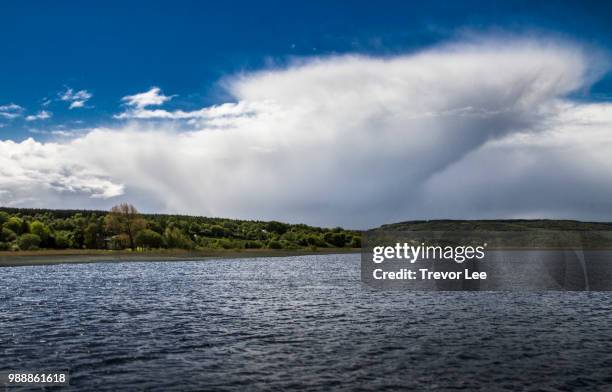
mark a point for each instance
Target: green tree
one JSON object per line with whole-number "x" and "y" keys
{"x": 42, "y": 231}
{"x": 4, "y": 216}
{"x": 315, "y": 240}
{"x": 7, "y": 235}
{"x": 253, "y": 244}
{"x": 149, "y": 239}
{"x": 175, "y": 238}
{"x": 93, "y": 236}
{"x": 337, "y": 239}
{"x": 14, "y": 224}
{"x": 28, "y": 241}
{"x": 155, "y": 226}
{"x": 217, "y": 231}
{"x": 274, "y": 244}
{"x": 277, "y": 227}
{"x": 226, "y": 243}
{"x": 62, "y": 240}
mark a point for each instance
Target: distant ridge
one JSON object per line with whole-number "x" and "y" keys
{"x": 497, "y": 225}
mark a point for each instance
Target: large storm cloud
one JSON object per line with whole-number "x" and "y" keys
{"x": 466, "y": 130}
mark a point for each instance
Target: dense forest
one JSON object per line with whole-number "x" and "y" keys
{"x": 124, "y": 228}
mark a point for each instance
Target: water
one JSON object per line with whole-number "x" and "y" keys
{"x": 293, "y": 323}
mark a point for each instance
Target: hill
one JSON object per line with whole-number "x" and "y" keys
{"x": 498, "y": 225}
{"x": 516, "y": 233}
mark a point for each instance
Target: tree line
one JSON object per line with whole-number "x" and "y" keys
{"x": 123, "y": 227}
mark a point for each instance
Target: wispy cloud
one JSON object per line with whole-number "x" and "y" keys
{"x": 41, "y": 115}
{"x": 217, "y": 113}
{"x": 77, "y": 99}
{"x": 11, "y": 111}
{"x": 153, "y": 97}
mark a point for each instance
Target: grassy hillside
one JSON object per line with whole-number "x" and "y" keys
{"x": 519, "y": 233}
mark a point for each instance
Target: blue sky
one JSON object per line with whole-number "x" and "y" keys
{"x": 329, "y": 113}
{"x": 185, "y": 47}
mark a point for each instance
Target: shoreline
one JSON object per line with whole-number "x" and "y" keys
{"x": 85, "y": 256}
{"x": 76, "y": 256}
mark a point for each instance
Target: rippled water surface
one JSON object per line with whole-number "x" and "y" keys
{"x": 293, "y": 323}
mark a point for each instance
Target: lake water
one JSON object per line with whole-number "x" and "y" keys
{"x": 293, "y": 323}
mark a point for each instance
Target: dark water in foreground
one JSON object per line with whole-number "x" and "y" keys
{"x": 293, "y": 323}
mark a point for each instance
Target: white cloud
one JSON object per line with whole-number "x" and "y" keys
{"x": 11, "y": 111}
{"x": 153, "y": 97}
{"x": 77, "y": 99}
{"x": 41, "y": 115}
{"x": 31, "y": 166}
{"x": 219, "y": 113}
{"x": 470, "y": 130}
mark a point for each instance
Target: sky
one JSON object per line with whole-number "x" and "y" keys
{"x": 327, "y": 113}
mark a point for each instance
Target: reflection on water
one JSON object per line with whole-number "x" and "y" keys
{"x": 293, "y": 323}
